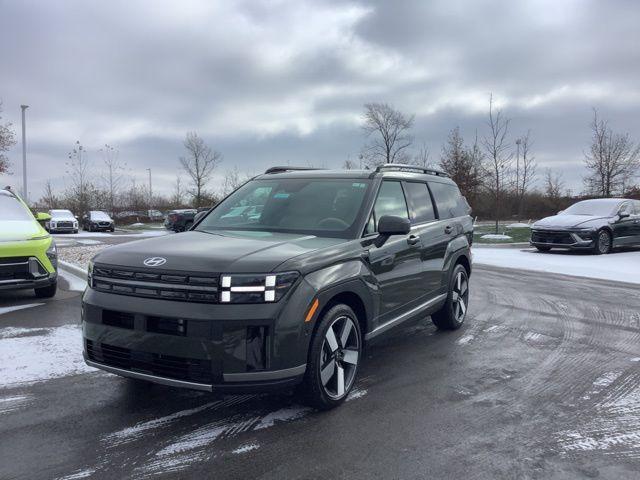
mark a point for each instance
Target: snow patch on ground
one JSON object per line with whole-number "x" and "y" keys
{"x": 496, "y": 236}
{"x": 635, "y": 359}
{"x": 464, "y": 340}
{"x": 79, "y": 475}
{"x": 80, "y": 256}
{"x": 617, "y": 266}
{"x": 58, "y": 354}
{"x": 519, "y": 225}
{"x": 15, "y": 402}
{"x": 18, "y": 307}
{"x": 355, "y": 394}
{"x": 246, "y": 448}
{"x": 75, "y": 283}
{"x": 90, "y": 241}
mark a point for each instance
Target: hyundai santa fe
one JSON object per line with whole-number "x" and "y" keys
{"x": 283, "y": 283}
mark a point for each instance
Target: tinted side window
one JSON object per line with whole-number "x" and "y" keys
{"x": 449, "y": 201}
{"x": 422, "y": 210}
{"x": 637, "y": 204}
{"x": 390, "y": 201}
{"x": 627, "y": 208}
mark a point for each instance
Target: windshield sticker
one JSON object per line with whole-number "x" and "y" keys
{"x": 281, "y": 195}
{"x": 359, "y": 185}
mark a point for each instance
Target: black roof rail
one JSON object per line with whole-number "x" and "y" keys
{"x": 289, "y": 169}
{"x": 404, "y": 167}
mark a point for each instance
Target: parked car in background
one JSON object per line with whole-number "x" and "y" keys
{"x": 28, "y": 255}
{"x": 597, "y": 225}
{"x": 62, "y": 221}
{"x": 182, "y": 219}
{"x": 155, "y": 215}
{"x": 96, "y": 221}
{"x": 290, "y": 294}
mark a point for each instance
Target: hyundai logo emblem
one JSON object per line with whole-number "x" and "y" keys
{"x": 155, "y": 261}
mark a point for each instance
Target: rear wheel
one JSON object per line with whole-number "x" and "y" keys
{"x": 543, "y": 249}
{"x": 47, "y": 292}
{"x": 334, "y": 357}
{"x": 452, "y": 314}
{"x": 603, "y": 243}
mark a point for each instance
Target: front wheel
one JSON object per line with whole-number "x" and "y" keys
{"x": 603, "y": 243}
{"x": 334, "y": 356}
{"x": 452, "y": 314}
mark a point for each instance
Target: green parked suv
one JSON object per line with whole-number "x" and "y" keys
{"x": 28, "y": 257}
{"x": 288, "y": 294}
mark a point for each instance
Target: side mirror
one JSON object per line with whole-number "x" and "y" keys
{"x": 623, "y": 214}
{"x": 199, "y": 216}
{"x": 390, "y": 225}
{"x": 43, "y": 217}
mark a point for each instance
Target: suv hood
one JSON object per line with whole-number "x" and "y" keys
{"x": 16, "y": 230}
{"x": 219, "y": 252}
{"x": 570, "y": 221}
{"x": 63, "y": 218}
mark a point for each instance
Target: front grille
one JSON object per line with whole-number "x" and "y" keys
{"x": 104, "y": 224}
{"x": 178, "y": 368}
{"x": 550, "y": 236}
{"x": 64, "y": 224}
{"x": 168, "y": 285}
{"x": 118, "y": 319}
{"x": 20, "y": 268}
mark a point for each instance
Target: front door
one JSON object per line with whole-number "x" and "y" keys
{"x": 396, "y": 264}
{"x": 623, "y": 228}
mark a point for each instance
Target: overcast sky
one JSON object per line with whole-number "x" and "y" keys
{"x": 269, "y": 83}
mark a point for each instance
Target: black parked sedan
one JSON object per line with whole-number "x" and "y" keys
{"x": 595, "y": 225}
{"x": 96, "y": 221}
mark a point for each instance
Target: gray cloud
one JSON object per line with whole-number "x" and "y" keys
{"x": 270, "y": 83}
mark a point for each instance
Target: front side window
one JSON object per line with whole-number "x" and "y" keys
{"x": 12, "y": 210}
{"x": 449, "y": 201}
{"x": 320, "y": 206}
{"x": 390, "y": 201}
{"x": 422, "y": 210}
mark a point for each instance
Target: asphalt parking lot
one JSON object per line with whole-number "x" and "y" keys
{"x": 543, "y": 381}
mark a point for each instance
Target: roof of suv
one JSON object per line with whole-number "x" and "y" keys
{"x": 407, "y": 172}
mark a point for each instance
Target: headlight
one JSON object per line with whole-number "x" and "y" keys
{"x": 52, "y": 254}
{"x": 256, "y": 288}
{"x": 90, "y": 272}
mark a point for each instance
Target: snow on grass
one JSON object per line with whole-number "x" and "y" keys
{"x": 617, "y": 266}
{"x": 31, "y": 359}
{"x": 519, "y": 225}
{"x": 495, "y": 236}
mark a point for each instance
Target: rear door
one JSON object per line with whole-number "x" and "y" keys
{"x": 396, "y": 264}
{"x": 426, "y": 226}
{"x": 636, "y": 222}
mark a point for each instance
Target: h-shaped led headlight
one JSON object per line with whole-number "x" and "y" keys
{"x": 255, "y": 288}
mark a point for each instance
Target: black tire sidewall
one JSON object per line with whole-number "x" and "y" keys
{"x": 445, "y": 318}
{"x": 596, "y": 249}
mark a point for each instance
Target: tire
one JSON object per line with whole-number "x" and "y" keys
{"x": 112, "y": 229}
{"x": 452, "y": 314}
{"x": 75, "y": 231}
{"x": 603, "y": 243}
{"x": 331, "y": 368}
{"x": 47, "y": 292}
{"x": 543, "y": 249}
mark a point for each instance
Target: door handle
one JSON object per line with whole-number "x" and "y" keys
{"x": 413, "y": 239}
{"x": 448, "y": 229}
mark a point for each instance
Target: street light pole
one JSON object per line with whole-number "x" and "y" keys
{"x": 24, "y": 155}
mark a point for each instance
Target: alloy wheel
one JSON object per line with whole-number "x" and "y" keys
{"x": 604, "y": 242}
{"x": 460, "y": 296}
{"x": 339, "y": 357}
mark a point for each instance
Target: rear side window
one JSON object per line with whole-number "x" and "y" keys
{"x": 420, "y": 200}
{"x": 637, "y": 207}
{"x": 390, "y": 201}
{"x": 449, "y": 202}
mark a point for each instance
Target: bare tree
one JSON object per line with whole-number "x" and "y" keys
{"x": 78, "y": 193}
{"x": 232, "y": 180}
{"x": 553, "y": 186}
{"x": 388, "y": 133}
{"x": 7, "y": 140}
{"x": 499, "y": 158}
{"x": 423, "y": 157}
{"x": 49, "y": 199}
{"x": 349, "y": 164}
{"x": 177, "y": 199}
{"x": 613, "y": 160}
{"x": 463, "y": 164}
{"x": 525, "y": 170}
{"x": 114, "y": 175}
{"x": 199, "y": 164}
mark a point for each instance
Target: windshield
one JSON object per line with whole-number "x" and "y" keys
{"x": 12, "y": 210}
{"x": 61, "y": 213}
{"x": 595, "y": 208}
{"x": 322, "y": 207}
{"x": 99, "y": 216}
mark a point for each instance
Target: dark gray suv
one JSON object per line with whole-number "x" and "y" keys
{"x": 284, "y": 282}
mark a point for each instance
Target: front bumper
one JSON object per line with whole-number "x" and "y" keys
{"x": 562, "y": 239}
{"x": 212, "y": 347}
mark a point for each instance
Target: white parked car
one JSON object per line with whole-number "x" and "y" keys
{"x": 62, "y": 221}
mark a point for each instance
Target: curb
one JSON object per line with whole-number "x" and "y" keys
{"x": 501, "y": 245}
{"x": 73, "y": 269}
